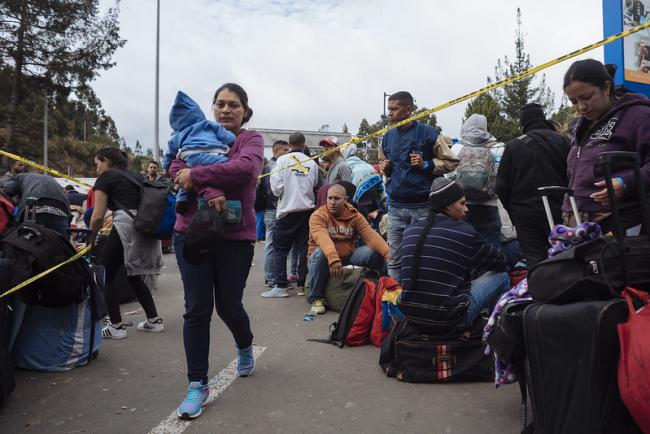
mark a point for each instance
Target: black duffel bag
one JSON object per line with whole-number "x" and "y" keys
{"x": 598, "y": 269}
{"x": 412, "y": 356}
{"x": 507, "y": 336}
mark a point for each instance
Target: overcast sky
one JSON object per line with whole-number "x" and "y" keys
{"x": 305, "y": 63}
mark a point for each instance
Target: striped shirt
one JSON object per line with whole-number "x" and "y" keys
{"x": 452, "y": 254}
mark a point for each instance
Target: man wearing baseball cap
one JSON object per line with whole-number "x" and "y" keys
{"x": 339, "y": 169}
{"x": 449, "y": 272}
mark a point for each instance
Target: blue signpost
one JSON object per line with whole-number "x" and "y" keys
{"x": 632, "y": 54}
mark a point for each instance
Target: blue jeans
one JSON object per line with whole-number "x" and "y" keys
{"x": 485, "y": 291}
{"x": 485, "y": 219}
{"x": 260, "y": 229}
{"x": 217, "y": 282}
{"x": 269, "y": 222}
{"x": 293, "y": 260}
{"x": 398, "y": 220}
{"x": 319, "y": 269}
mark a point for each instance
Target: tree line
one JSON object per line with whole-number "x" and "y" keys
{"x": 50, "y": 51}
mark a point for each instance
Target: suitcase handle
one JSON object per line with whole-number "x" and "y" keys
{"x": 606, "y": 159}
{"x": 546, "y": 190}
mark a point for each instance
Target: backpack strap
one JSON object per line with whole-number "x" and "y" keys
{"x": 137, "y": 184}
{"x": 415, "y": 266}
{"x": 526, "y": 139}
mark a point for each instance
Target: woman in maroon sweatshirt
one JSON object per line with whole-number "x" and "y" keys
{"x": 219, "y": 279}
{"x": 608, "y": 122}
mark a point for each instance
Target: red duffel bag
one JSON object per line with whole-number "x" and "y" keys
{"x": 633, "y": 373}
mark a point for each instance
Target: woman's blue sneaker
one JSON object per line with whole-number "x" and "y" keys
{"x": 192, "y": 406}
{"x": 245, "y": 362}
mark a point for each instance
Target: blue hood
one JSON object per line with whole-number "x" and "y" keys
{"x": 184, "y": 112}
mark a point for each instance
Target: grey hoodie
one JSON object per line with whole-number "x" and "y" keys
{"x": 474, "y": 130}
{"x": 35, "y": 185}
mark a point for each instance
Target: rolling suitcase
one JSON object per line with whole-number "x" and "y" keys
{"x": 7, "y": 377}
{"x": 573, "y": 352}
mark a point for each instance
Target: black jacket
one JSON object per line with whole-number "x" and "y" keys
{"x": 536, "y": 159}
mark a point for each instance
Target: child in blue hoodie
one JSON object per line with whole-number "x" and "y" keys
{"x": 195, "y": 140}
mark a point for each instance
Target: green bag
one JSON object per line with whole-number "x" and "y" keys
{"x": 338, "y": 290}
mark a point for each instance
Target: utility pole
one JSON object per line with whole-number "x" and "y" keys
{"x": 385, "y": 118}
{"x": 156, "y": 144}
{"x": 45, "y": 129}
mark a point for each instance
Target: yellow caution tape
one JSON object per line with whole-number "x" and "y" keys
{"x": 300, "y": 166}
{"x": 46, "y": 272}
{"x": 43, "y": 168}
{"x": 481, "y": 91}
{"x": 353, "y": 140}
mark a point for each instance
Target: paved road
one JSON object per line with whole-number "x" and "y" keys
{"x": 298, "y": 386}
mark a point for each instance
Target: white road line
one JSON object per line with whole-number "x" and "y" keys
{"x": 173, "y": 425}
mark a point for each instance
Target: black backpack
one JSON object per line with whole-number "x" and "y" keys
{"x": 32, "y": 249}
{"x": 157, "y": 209}
{"x": 598, "y": 269}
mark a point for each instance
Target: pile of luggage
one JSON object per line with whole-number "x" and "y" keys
{"x": 578, "y": 348}
{"x": 51, "y": 324}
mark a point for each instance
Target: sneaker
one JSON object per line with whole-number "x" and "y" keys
{"x": 292, "y": 278}
{"x": 276, "y": 293}
{"x": 300, "y": 291}
{"x": 155, "y": 326}
{"x": 318, "y": 306}
{"x": 112, "y": 332}
{"x": 192, "y": 405}
{"x": 245, "y": 362}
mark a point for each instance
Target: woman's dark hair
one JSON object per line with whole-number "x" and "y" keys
{"x": 592, "y": 72}
{"x": 243, "y": 97}
{"x": 115, "y": 157}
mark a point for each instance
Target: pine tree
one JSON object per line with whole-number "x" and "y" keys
{"x": 512, "y": 97}
{"x": 430, "y": 120}
{"x": 486, "y": 105}
{"x": 61, "y": 44}
{"x": 364, "y": 127}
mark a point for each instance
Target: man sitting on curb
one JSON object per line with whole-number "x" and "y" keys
{"x": 449, "y": 272}
{"x": 333, "y": 230}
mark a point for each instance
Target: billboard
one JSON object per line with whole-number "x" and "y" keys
{"x": 631, "y": 54}
{"x": 636, "y": 47}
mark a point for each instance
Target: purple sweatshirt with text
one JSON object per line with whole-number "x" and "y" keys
{"x": 236, "y": 179}
{"x": 626, "y": 127}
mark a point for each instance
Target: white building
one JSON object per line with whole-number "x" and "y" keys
{"x": 312, "y": 138}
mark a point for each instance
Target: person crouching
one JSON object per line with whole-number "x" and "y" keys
{"x": 449, "y": 272}
{"x": 333, "y": 231}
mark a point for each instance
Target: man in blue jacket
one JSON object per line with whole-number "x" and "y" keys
{"x": 414, "y": 157}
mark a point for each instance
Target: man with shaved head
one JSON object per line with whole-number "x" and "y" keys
{"x": 334, "y": 229}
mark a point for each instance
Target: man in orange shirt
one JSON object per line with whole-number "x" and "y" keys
{"x": 334, "y": 229}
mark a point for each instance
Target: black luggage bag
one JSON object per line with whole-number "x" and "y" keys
{"x": 598, "y": 269}
{"x": 573, "y": 353}
{"x": 7, "y": 378}
{"x": 412, "y": 356}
